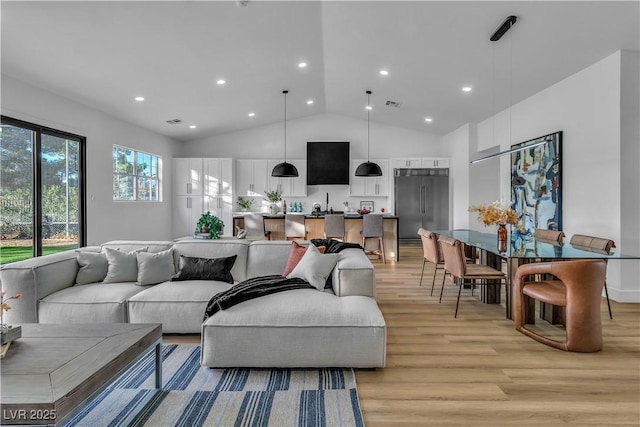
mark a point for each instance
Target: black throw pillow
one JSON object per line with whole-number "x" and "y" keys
{"x": 193, "y": 268}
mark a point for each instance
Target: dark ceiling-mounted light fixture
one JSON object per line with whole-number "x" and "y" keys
{"x": 284, "y": 169}
{"x": 497, "y": 35}
{"x": 368, "y": 168}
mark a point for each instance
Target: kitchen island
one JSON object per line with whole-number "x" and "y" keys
{"x": 314, "y": 225}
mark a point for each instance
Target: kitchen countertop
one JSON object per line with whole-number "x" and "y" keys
{"x": 239, "y": 215}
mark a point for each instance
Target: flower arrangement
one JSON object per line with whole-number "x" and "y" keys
{"x": 4, "y": 304}
{"x": 273, "y": 196}
{"x": 497, "y": 213}
{"x": 245, "y": 203}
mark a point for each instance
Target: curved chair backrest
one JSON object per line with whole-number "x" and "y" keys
{"x": 592, "y": 242}
{"x": 294, "y": 226}
{"x": 430, "y": 246}
{"x": 334, "y": 226}
{"x": 454, "y": 259}
{"x": 254, "y": 225}
{"x": 550, "y": 235}
{"x": 372, "y": 225}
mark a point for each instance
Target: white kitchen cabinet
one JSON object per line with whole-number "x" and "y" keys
{"x": 407, "y": 163}
{"x": 420, "y": 162}
{"x": 218, "y": 177}
{"x": 290, "y": 187}
{"x": 187, "y": 176}
{"x": 435, "y": 163}
{"x": 369, "y": 185}
{"x": 186, "y": 213}
{"x": 251, "y": 178}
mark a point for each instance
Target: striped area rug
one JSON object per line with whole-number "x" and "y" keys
{"x": 193, "y": 396}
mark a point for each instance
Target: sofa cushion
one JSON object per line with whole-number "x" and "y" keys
{"x": 298, "y": 328}
{"x": 315, "y": 267}
{"x": 155, "y": 268}
{"x": 179, "y": 306}
{"x": 295, "y": 255}
{"x": 194, "y": 268}
{"x": 93, "y": 267}
{"x": 93, "y": 303}
{"x": 206, "y": 248}
{"x": 268, "y": 257}
{"x": 123, "y": 266}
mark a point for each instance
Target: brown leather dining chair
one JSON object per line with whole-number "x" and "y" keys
{"x": 431, "y": 253}
{"x": 455, "y": 264}
{"x": 592, "y": 243}
{"x": 577, "y": 287}
{"x": 555, "y": 236}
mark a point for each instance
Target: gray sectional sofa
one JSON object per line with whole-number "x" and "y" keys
{"x": 341, "y": 326}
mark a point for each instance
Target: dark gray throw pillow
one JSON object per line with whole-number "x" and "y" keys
{"x": 193, "y": 268}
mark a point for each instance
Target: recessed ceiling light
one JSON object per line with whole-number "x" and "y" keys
{"x": 302, "y": 65}
{"x": 221, "y": 82}
{"x": 139, "y": 98}
{"x": 251, "y": 114}
{"x": 309, "y": 102}
{"x": 384, "y": 72}
{"x": 428, "y": 119}
{"x": 192, "y": 127}
{"x": 369, "y": 107}
{"x": 466, "y": 89}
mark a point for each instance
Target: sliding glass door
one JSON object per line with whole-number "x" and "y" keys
{"x": 41, "y": 191}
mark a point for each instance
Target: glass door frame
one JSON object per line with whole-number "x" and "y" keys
{"x": 36, "y": 189}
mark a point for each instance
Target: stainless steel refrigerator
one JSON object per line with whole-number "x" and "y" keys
{"x": 421, "y": 200}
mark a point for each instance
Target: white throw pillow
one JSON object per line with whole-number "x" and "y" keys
{"x": 93, "y": 268}
{"x": 154, "y": 268}
{"x": 315, "y": 267}
{"x": 123, "y": 266}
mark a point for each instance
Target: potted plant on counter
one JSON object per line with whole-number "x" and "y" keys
{"x": 210, "y": 224}
{"x": 245, "y": 204}
{"x": 274, "y": 197}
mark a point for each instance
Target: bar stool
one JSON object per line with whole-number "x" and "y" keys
{"x": 372, "y": 228}
{"x": 294, "y": 227}
{"x": 254, "y": 226}
{"x": 334, "y": 227}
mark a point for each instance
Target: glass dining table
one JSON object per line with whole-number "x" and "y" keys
{"x": 518, "y": 252}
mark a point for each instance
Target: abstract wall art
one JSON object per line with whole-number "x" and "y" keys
{"x": 536, "y": 184}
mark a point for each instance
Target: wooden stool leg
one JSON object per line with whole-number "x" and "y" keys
{"x": 384, "y": 258}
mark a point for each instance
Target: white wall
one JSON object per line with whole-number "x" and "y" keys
{"x": 456, "y": 146}
{"x": 587, "y": 108}
{"x": 266, "y": 142}
{"x": 106, "y": 219}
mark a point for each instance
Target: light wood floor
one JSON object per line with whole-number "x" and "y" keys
{"x": 476, "y": 370}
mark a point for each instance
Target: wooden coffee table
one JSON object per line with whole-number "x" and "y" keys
{"x": 53, "y": 370}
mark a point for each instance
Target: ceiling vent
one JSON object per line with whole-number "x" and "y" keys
{"x": 174, "y": 121}
{"x": 393, "y": 104}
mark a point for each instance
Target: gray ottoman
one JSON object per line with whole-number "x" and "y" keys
{"x": 300, "y": 328}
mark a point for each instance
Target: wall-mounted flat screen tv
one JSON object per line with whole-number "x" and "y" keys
{"x": 328, "y": 163}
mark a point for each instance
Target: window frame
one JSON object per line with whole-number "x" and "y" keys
{"x": 135, "y": 176}
{"x": 36, "y": 190}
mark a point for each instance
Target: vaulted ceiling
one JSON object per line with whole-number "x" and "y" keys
{"x": 104, "y": 54}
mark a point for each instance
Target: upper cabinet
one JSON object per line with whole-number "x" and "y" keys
{"x": 420, "y": 162}
{"x": 187, "y": 178}
{"x": 251, "y": 177}
{"x": 290, "y": 187}
{"x": 218, "y": 177}
{"x": 369, "y": 185}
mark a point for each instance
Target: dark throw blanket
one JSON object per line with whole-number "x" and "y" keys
{"x": 252, "y": 288}
{"x": 334, "y": 246}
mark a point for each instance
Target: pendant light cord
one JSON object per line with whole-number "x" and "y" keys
{"x": 285, "y": 124}
{"x": 368, "y": 124}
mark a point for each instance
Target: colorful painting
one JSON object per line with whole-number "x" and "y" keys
{"x": 536, "y": 185}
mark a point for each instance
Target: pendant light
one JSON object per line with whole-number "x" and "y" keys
{"x": 284, "y": 169}
{"x": 368, "y": 168}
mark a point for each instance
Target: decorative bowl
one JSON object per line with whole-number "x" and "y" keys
{"x": 363, "y": 211}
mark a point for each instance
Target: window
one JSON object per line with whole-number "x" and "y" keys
{"x": 42, "y": 190}
{"x": 136, "y": 175}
